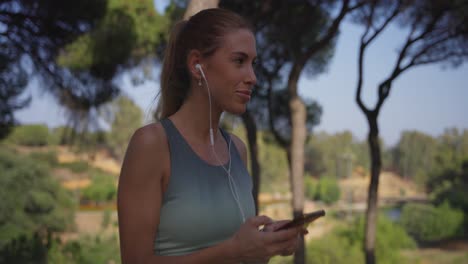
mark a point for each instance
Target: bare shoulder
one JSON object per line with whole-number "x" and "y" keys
{"x": 241, "y": 148}
{"x": 147, "y": 145}
{"x": 149, "y": 136}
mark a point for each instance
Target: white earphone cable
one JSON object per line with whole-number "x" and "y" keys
{"x": 232, "y": 183}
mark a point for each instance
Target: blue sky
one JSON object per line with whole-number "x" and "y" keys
{"x": 426, "y": 98}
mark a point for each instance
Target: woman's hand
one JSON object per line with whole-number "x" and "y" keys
{"x": 272, "y": 227}
{"x": 252, "y": 245}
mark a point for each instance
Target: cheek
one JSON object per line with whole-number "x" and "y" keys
{"x": 227, "y": 82}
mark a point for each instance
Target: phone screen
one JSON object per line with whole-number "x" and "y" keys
{"x": 304, "y": 219}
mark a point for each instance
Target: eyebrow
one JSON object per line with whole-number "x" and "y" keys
{"x": 243, "y": 54}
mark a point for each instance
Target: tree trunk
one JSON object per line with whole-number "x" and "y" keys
{"x": 298, "y": 137}
{"x": 195, "y": 6}
{"x": 251, "y": 129}
{"x": 372, "y": 199}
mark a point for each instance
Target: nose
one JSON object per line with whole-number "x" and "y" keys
{"x": 251, "y": 78}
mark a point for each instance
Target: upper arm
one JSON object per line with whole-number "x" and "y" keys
{"x": 140, "y": 193}
{"x": 241, "y": 148}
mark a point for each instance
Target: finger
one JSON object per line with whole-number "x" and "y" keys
{"x": 280, "y": 236}
{"x": 284, "y": 247}
{"x": 292, "y": 248}
{"x": 277, "y": 225}
{"x": 260, "y": 220}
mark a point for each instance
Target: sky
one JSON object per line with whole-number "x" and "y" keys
{"x": 428, "y": 98}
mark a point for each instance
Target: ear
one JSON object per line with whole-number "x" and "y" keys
{"x": 193, "y": 58}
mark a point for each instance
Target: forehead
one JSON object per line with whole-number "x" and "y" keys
{"x": 241, "y": 40}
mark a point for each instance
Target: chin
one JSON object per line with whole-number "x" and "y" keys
{"x": 237, "y": 110}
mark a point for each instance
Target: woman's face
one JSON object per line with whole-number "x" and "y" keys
{"x": 230, "y": 71}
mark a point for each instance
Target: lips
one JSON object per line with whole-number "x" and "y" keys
{"x": 244, "y": 94}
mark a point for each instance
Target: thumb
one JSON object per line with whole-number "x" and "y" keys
{"x": 260, "y": 220}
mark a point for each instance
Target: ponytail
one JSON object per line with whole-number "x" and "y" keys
{"x": 175, "y": 80}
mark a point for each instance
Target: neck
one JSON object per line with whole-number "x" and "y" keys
{"x": 194, "y": 117}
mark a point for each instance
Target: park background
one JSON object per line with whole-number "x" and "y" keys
{"x": 60, "y": 161}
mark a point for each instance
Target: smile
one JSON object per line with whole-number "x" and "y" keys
{"x": 245, "y": 94}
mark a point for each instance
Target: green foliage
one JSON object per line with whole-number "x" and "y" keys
{"x": 281, "y": 260}
{"x": 14, "y": 81}
{"x": 428, "y": 223}
{"x": 414, "y": 154}
{"x": 76, "y": 166}
{"x": 106, "y": 218}
{"x": 30, "y": 135}
{"x": 32, "y": 203}
{"x": 84, "y": 250}
{"x": 24, "y": 249}
{"x": 326, "y": 189}
{"x": 344, "y": 245}
{"x": 37, "y": 30}
{"x": 334, "y": 248}
{"x": 49, "y": 158}
{"x": 55, "y": 254}
{"x": 134, "y": 25}
{"x": 451, "y": 186}
{"x": 274, "y": 165}
{"x": 91, "y": 250}
{"x": 427, "y": 160}
{"x": 127, "y": 117}
{"x": 310, "y": 187}
{"x": 102, "y": 188}
{"x": 335, "y": 155}
{"x": 461, "y": 260}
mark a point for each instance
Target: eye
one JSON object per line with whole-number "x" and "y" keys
{"x": 239, "y": 61}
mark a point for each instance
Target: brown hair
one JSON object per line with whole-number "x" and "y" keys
{"x": 202, "y": 32}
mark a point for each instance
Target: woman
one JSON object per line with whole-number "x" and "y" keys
{"x": 185, "y": 195}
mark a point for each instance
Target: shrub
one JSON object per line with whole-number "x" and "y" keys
{"x": 33, "y": 205}
{"x": 30, "y": 135}
{"x": 325, "y": 189}
{"x": 101, "y": 189}
{"x": 76, "y": 166}
{"x": 344, "y": 245}
{"x": 310, "y": 185}
{"x": 97, "y": 249}
{"x": 333, "y": 249}
{"x": 49, "y": 158}
{"x": 428, "y": 223}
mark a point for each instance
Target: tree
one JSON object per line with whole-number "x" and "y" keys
{"x": 286, "y": 49}
{"x": 438, "y": 32}
{"x": 414, "y": 155}
{"x": 13, "y": 80}
{"x": 73, "y": 47}
{"x": 126, "y": 118}
{"x": 334, "y": 155}
{"x": 29, "y": 29}
{"x": 94, "y": 59}
{"x": 33, "y": 207}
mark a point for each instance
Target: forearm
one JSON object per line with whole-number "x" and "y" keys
{"x": 224, "y": 252}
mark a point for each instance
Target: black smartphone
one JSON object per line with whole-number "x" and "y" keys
{"x": 304, "y": 219}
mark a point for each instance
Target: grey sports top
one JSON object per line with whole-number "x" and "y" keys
{"x": 198, "y": 208}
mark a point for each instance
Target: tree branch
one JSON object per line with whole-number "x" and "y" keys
{"x": 317, "y": 46}
{"x": 386, "y": 22}
{"x": 282, "y": 141}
